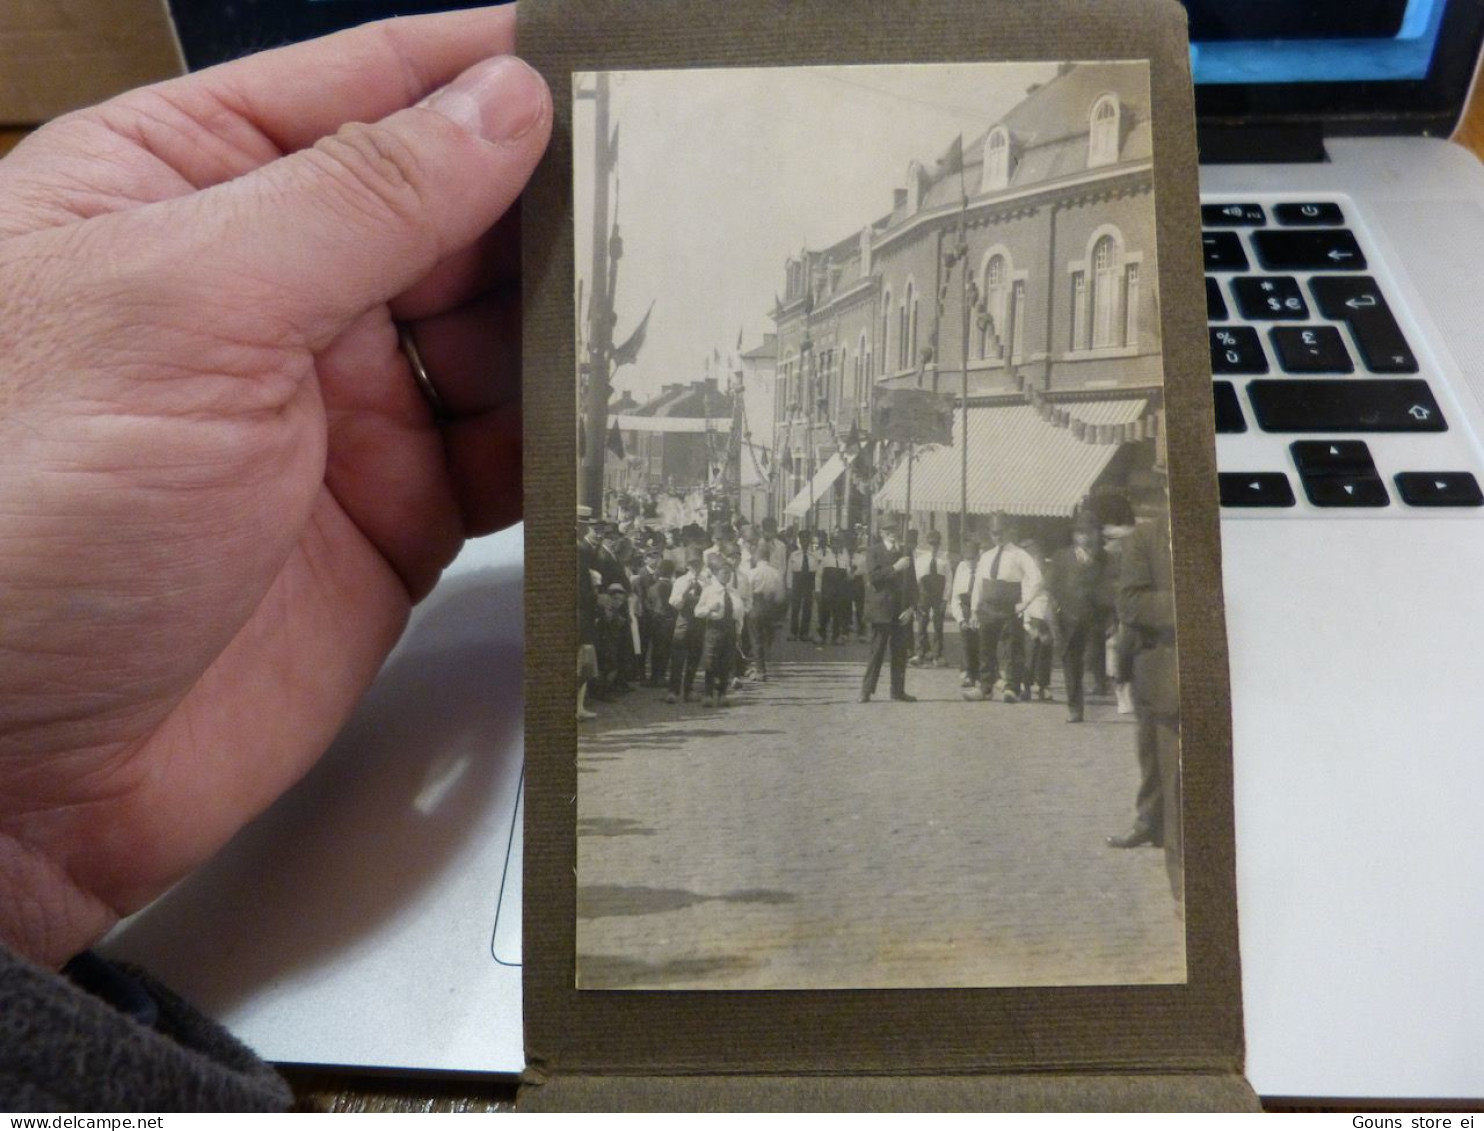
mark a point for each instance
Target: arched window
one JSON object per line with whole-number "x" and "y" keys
{"x": 996, "y": 304}
{"x": 907, "y": 320}
{"x": 885, "y": 332}
{"x": 862, "y": 373}
{"x": 1107, "y": 293}
{"x": 996, "y": 160}
{"x": 1103, "y": 132}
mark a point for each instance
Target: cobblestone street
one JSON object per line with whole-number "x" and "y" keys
{"x": 800, "y": 839}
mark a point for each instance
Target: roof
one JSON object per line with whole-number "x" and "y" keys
{"x": 694, "y": 400}
{"x": 1019, "y": 462}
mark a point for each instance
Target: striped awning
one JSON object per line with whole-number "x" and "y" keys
{"x": 823, "y": 480}
{"x": 1019, "y": 462}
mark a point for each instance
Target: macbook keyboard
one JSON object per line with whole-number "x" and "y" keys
{"x": 1323, "y": 401}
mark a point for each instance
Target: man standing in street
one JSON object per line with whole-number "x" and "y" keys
{"x": 891, "y": 595}
{"x": 931, "y": 566}
{"x": 1009, "y": 580}
{"x": 720, "y": 609}
{"x": 962, "y": 596}
{"x": 800, "y": 582}
{"x": 1073, "y": 580}
{"x": 768, "y": 603}
{"x": 690, "y": 633}
{"x": 833, "y": 573}
{"x": 1146, "y": 606}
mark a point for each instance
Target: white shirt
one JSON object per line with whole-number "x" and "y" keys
{"x": 712, "y": 602}
{"x": 1014, "y": 565}
{"x": 964, "y": 578}
{"x": 766, "y": 581}
{"x": 923, "y": 559}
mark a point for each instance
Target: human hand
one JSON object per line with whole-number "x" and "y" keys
{"x": 220, "y": 488}
{"x": 902, "y": 563}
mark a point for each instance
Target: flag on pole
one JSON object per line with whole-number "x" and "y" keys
{"x": 628, "y": 353}
{"x": 615, "y": 440}
{"x": 951, "y": 161}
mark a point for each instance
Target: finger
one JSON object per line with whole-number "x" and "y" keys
{"x": 161, "y": 141}
{"x": 313, "y": 240}
{"x": 484, "y": 459}
{"x": 472, "y": 355}
{"x": 491, "y": 263}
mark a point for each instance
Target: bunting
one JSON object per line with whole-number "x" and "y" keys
{"x": 1061, "y": 416}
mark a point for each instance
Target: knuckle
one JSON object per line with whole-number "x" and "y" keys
{"x": 377, "y": 172}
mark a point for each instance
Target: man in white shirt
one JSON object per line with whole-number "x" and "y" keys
{"x": 800, "y": 581}
{"x": 832, "y": 576}
{"x": 961, "y": 601}
{"x": 1009, "y": 580}
{"x": 768, "y": 604}
{"x": 720, "y": 609}
{"x": 931, "y": 564}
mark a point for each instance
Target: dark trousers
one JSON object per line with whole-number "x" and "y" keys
{"x": 661, "y": 641}
{"x": 685, "y": 655}
{"x": 801, "y": 604}
{"x": 969, "y": 638}
{"x": 890, "y": 638}
{"x": 930, "y": 629}
{"x": 718, "y": 655}
{"x": 858, "y": 604}
{"x": 760, "y": 629}
{"x": 1076, "y": 636}
{"x": 834, "y": 605}
{"x": 993, "y": 632}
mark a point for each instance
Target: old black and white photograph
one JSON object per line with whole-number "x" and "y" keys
{"x": 876, "y": 678}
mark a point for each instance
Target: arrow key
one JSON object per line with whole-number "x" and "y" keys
{"x": 1255, "y": 489}
{"x": 1439, "y": 489}
{"x": 1332, "y": 457}
{"x": 1346, "y": 490}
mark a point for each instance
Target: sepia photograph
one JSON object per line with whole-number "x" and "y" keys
{"x": 877, "y": 678}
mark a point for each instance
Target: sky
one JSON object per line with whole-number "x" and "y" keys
{"x": 722, "y": 174}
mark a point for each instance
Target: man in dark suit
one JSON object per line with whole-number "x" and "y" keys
{"x": 891, "y": 597}
{"x": 1073, "y": 580}
{"x": 1146, "y": 605}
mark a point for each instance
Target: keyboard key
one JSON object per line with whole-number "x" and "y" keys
{"x": 1236, "y": 349}
{"x": 1311, "y": 349}
{"x": 1215, "y": 304}
{"x": 1322, "y": 249}
{"x": 1357, "y": 301}
{"x": 1365, "y": 405}
{"x": 1223, "y": 251}
{"x": 1269, "y": 297}
{"x": 1228, "y": 409}
{"x": 1332, "y": 457}
{"x": 1232, "y": 215}
{"x": 1255, "y": 489}
{"x": 1308, "y": 215}
{"x": 1439, "y": 489}
{"x": 1346, "y": 491}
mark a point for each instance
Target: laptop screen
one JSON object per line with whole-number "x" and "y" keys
{"x": 1351, "y": 66}
{"x": 1269, "y": 41}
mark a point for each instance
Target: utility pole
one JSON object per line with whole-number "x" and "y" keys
{"x": 600, "y": 311}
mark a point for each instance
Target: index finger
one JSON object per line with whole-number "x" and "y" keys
{"x": 298, "y": 94}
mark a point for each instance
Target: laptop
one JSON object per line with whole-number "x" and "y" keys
{"x": 371, "y": 918}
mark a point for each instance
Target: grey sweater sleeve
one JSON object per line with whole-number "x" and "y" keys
{"x": 106, "y": 1037}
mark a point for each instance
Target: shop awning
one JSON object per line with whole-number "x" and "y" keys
{"x": 1019, "y": 462}
{"x": 823, "y": 480}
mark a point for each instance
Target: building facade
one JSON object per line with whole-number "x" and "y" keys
{"x": 1016, "y": 272}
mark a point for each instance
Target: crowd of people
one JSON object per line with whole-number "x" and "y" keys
{"x": 660, "y": 606}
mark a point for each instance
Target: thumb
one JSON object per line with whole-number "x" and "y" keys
{"x": 322, "y": 235}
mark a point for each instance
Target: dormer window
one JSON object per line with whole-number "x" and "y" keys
{"x": 1103, "y": 132}
{"x": 996, "y": 160}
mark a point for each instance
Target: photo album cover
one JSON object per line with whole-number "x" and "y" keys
{"x": 866, "y": 391}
